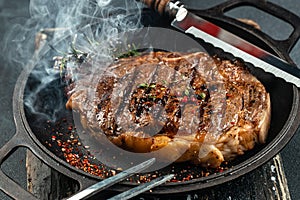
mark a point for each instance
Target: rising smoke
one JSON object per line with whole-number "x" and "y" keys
{"x": 54, "y": 28}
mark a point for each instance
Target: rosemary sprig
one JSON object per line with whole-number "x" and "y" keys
{"x": 131, "y": 52}
{"x": 75, "y": 56}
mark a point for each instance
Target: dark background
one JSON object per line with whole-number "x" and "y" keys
{"x": 16, "y": 12}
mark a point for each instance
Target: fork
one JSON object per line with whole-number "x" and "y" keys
{"x": 93, "y": 189}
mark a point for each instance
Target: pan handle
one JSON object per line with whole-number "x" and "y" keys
{"x": 20, "y": 139}
{"x": 7, "y": 185}
{"x": 268, "y": 7}
{"x": 284, "y": 46}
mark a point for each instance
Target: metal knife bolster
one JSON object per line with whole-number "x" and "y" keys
{"x": 211, "y": 33}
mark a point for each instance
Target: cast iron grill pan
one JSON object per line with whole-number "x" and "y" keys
{"x": 34, "y": 132}
{"x": 181, "y": 170}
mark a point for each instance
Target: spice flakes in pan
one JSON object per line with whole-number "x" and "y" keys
{"x": 66, "y": 144}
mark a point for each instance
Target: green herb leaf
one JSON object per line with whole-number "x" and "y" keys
{"x": 202, "y": 95}
{"x": 131, "y": 52}
{"x": 152, "y": 97}
{"x": 187, "y": 92}
{"x": 143, "y": 85}
{"x": 183, "y": 77}
{"x": 152, "y": 85}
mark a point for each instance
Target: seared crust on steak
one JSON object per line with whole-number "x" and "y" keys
{"x": 213, "y": 109}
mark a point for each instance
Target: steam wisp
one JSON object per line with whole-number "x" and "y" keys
{"x": 92, "y": 27}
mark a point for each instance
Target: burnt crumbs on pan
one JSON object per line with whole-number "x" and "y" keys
{"x": 212, "y": 108}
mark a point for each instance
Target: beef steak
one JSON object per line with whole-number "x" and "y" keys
{"x": 208, "y": 108}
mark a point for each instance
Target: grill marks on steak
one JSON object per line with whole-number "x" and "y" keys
{"x": 212, "y": 109}
{"x": 155, "y": 110}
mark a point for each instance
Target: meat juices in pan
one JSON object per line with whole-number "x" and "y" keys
{"x": 212, "y": 108}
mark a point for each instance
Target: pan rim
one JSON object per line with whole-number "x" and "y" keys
{"x": 261, "y": 157}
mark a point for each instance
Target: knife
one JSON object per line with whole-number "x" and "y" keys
{"x": 190, "y": 23}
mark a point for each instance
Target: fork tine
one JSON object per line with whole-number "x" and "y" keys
{"x": 142, "y": 188}
{"x": 112, "y": 180}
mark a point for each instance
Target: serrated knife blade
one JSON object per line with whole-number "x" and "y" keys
{"x": 227, "y": 41}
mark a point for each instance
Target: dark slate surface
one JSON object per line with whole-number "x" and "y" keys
{"x": 10, "y": 12}
{"x": 16, "y": 11}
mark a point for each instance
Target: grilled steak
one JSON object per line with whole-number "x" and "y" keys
{"x": 212, "y": 109}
